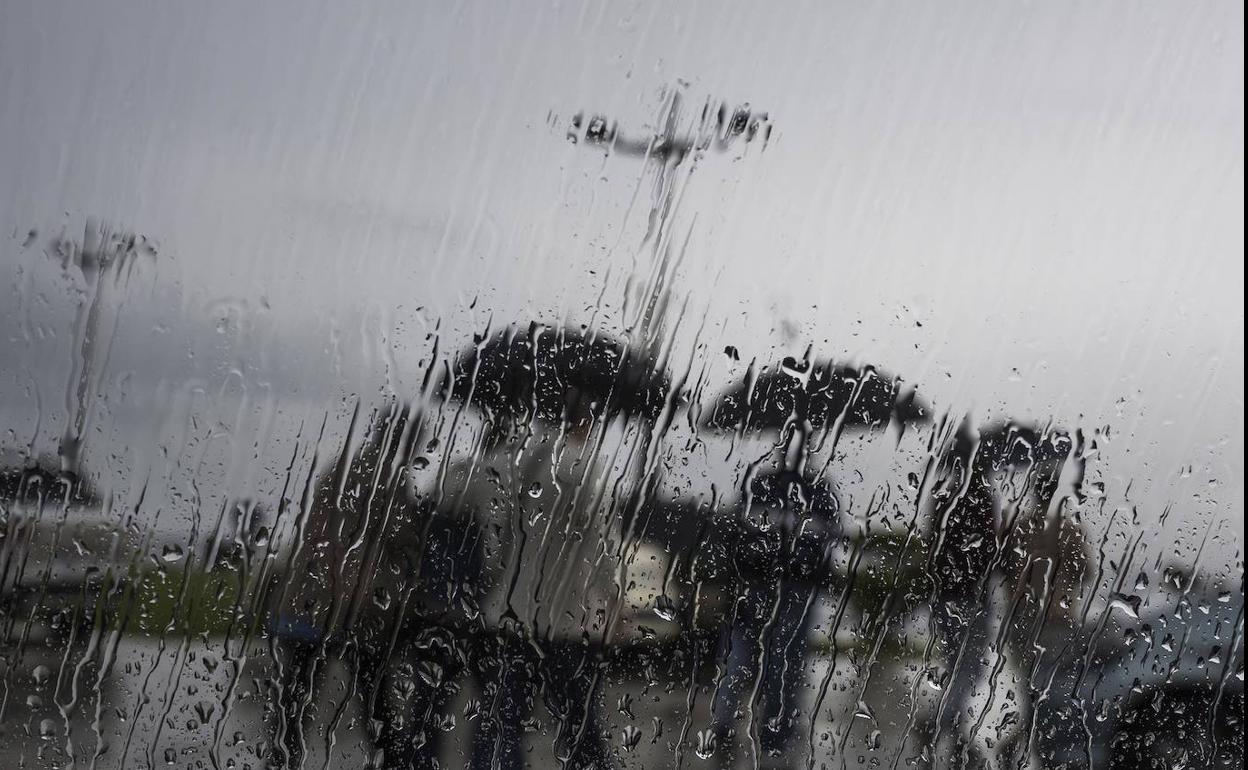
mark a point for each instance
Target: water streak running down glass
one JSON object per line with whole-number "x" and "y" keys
{"x": 628, "y": 386}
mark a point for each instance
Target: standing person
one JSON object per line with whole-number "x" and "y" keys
{"x": 374, "y": 579}
{"x": 567, "y": 424}
{"x": 781, "y": 542}
{"x": 996, "y": 539}
{"x": 784, "y": 533}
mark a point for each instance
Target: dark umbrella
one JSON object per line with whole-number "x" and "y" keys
{"x": 1008, "y": 442}
{"x": 556, "y": 374}
{"x": 818, "y": 393}
{"x": 43, "y": 479}
{"x": 39, "y": 572}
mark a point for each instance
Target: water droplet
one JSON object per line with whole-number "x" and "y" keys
{"x": 665, "y": 608}
{"x": 40, "y": 674}
{"x": 631, "y": 737}
{"x": 706, "y": 744}
{"x": 1128, "y": 603}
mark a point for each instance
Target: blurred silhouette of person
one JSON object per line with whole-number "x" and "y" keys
{"x": 780, "y": 554}
{"x": 998, "y": 539}
{"x": 375, "y": 580}
{"x": 816, "y": 395}
{"x": 782, "y": 539}
{"x": 567, "y": 419}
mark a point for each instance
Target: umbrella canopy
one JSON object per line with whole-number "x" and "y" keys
{"x": 1005, "y": 443}
{"x": 557, "y": 374}
{"x": 44, "y": 480}
{"x": 819, "y": 393}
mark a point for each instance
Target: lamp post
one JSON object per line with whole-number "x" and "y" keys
{"x": 103, "y": 262}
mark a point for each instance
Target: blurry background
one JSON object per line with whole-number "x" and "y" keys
{"x": 1032, "y": 206}
{"x": 1028, "y": 210}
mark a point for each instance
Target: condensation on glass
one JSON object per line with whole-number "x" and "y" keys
{"x": 621, "y": 387}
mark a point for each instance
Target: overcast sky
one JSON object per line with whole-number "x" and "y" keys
{"x": 1032, "y": 208}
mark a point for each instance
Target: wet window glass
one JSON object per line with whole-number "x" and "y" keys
{"x": 627, "y": 385}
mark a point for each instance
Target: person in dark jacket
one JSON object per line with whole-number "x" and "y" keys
{"x": 1002, "y": 553}
{"x": 567, "y": 416}
{"x": 780, "y": 546}
{"x": 782, "y": 538}
{"x": 376, "y": 579}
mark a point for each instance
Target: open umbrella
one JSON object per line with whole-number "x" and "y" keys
{"x": 818, "y": 392}
{"x": 558, "y": 374}
{"x": 44, "y": 480}
{"x": 1009, "y": 442}
{"x": 46, "y": 516}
